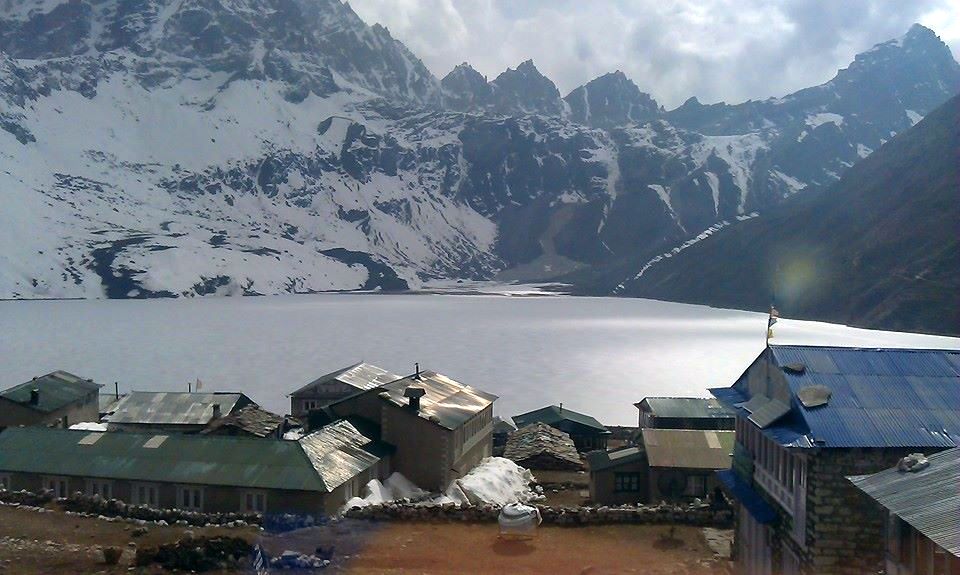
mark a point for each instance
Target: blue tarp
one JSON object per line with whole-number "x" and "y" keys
{"x": 758, "y": 508}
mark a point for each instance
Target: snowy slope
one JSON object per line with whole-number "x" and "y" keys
{"x": 196, "y": 147}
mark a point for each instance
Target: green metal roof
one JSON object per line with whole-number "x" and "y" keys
{"x": 689, "y": 407}
{"x": 553, "y": 414}
{"x": 57, "y": 390}
{"x": 178, "y": 458}
{"x": 600, "y": 460}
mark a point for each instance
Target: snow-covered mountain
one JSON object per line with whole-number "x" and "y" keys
{"x": 193, "y": 147}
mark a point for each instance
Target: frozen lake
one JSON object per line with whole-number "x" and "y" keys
{"x": 596, "y": 355}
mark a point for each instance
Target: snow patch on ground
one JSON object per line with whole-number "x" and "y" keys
{"x": 863, "y": 151}
{"x": 394, "y": 488}
{"x": 814, "y": 120}
{"x": 497, "y": 481}
{"x": 914, "y": 117}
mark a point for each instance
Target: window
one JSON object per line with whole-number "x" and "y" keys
{"x": 626, "y": 482}
{"x": 146, "y": 494}
{"x": 696, "y": 486}
{"x": 190, "y": 498}
{"x": 255, "y": 502}
{"x": 310, "y": 404}
{"x": 57, "y": 484}
{"x": 4, "y": 481}
{"x": 101, "y": 487}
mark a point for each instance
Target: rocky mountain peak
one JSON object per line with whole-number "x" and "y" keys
{"x": 465, "y": 89}
{"x": 610, "y": 100}
{"x": 525, "y": 90}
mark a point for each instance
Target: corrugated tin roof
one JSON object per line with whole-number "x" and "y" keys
{"x": 553, "y": 414}
{"x": 878, "y": 397}
{"x": 928, "y": 499}
{"x": 447, "y": 403}
{"x": 688, "y": 448}
{"x": 187, "y": 459}
{"x": 174, "y": 408}
{"x": 336, "y": 452}
{"x": 57, "y": 390}
{"x": 600, "y": 460}
{"x": 361, "y": 376}
{"x": 687, "y": 407}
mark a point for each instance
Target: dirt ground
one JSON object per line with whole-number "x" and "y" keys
{"x": 564, "y": 488}
{"x": 55, "y": 543}
{"x": 402, "y": 548}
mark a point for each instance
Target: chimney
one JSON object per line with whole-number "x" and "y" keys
{"x": 413, "y": 394}
{"x": 34, "y": 397}
{"x": 561, "y": 407}
{"x": 416, "y": 374}
{"x": 216, "y": 411}
{"x": 116, "y": 389}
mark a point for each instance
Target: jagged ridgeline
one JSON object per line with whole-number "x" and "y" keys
{"x": 179, "y": 148}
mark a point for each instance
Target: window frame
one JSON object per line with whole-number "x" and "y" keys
{"x": 92, "y": 483}
{"x": 196, "y": 492}
{"x": 696, "y": 486}
{"x": 61, "y": 482}
{"x": 153, "y": 488}
{"x": 627, "y": 482}
{"x": 252, "y": 495}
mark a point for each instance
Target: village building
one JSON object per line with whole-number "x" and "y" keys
{"x": 809, "y": 416}
{"x": 58, "y": 399}
{"x": 250, "y": 421}
{"x": 668, "y": 465}
{"x": 173, "y": 412}
{"x": 208, "y": 473}
{"x": 587, "y": 433}
{"x": 541, "y": 447}
{"x": 921, "y": 508}
{"x": 501, "y": 432}
{"x": 438, "y": 429}
{"x": 684, "y": 413}
{"x": 335, "y": 386}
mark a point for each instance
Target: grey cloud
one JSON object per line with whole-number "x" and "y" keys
{"x": 729, "y": 50}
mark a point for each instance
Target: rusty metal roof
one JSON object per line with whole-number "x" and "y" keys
{"x": 362, "y": 376}
{"x": 447, "y": 403}
{"x": 57, "y": 390}
{"x": 929, "y": 499}
{"x": 174, "y": 408}
{"x": 688, "y": 448}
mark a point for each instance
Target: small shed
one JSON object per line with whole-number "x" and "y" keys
{"x": 684, "y": 413}
{"x": 57, "y": 399}
{"x": 587, "y": 433}
{"x": 683, "y": 461}
{"x": 539, "y": 446}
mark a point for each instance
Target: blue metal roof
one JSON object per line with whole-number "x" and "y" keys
{"x": 879, "y": 397}
{"x": 758, "y": 508}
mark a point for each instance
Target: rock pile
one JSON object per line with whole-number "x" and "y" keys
{"x": 197, "y": 554}
{"x": 295, "y": 560}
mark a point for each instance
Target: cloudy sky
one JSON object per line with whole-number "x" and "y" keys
{"x": 728, "y": 50}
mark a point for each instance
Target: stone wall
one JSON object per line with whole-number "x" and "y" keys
{"x": 701, "y": 515}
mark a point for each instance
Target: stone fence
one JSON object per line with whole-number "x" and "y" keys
{"x": 97, "y": 506}
{"x": 697, "y": 515}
